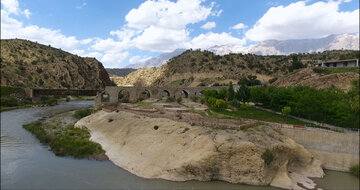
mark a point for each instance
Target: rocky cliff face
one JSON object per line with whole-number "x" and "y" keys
{"x": 28, "y": 64}
{"x": 178, "y": 151}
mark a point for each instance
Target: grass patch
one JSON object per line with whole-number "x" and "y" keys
{"x": 65, "y": 141}
{"x": 39, "y": 132}
{"x": 146, "y": 105}
{"x": 328, "y": 71}
{"x": 257, "y": 114}
{"x": 80, "y": 113}
{"x": 355, "y": 170}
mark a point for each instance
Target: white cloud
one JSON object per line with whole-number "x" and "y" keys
{"x": 211, "y": 39}
{"x": 304, "y": 21}
{"x": 12, "y": 28}
{"x": 208, "y": 25}
{"x": 167, "y": 14}
{"x": 10, "y": 6}
{"x": 239, "y": 26}
{"x": 114, "y": 59}
{"x": 27, "y": 13}
{"x": 137, "y": 59}
{"x": 81, "y": 6}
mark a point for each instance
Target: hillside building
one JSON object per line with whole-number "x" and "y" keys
{"x": 339, "y": 63}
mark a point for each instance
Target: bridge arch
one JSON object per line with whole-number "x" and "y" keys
{"x": 164, "y": 94}
{"x": 105, "y": 97}
{"x": 184, "y": 94}
{"x": 123, "y": 96}
{"x": 145, "y": 94}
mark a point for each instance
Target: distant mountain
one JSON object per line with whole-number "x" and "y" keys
{"x": 29, "y": 64}
{"x": 286, "y": 47}
{"x": 158, "y": 61}
{"x": 120, "y": 72}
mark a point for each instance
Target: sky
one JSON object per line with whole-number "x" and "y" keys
{"x": 123, "y": 32}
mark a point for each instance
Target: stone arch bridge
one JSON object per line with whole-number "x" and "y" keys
{"x": 112, "y": 94}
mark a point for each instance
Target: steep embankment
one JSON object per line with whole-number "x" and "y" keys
{"x": 163, "y": 148}
{"x": 29, "y": 64}
{"x": 321, "y": 79}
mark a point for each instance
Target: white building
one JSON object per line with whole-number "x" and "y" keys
{"x": 339, "y": 63}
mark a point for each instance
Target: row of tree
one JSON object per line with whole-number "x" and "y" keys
{"x": 331, "y": 106}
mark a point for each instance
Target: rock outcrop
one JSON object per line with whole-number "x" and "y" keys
{"x": 166, "y": 149}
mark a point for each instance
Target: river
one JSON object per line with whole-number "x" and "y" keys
{"x": 27, "y": 164}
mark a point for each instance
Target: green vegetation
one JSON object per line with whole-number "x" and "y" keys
{"x": 156, "y": 127}
{"x": 170, "y": 99}
{"x": 64, "y": 140}
{"x": 49, "y": 100}
{"x": 7, "y": 90}
{"x": 331, "y": 106}
{"x": 257, "y": 114}
{"x": 267, "y": 156}
{"x": 80, "y": 113}
{"x": 355, "y": 170}
{"x": 328, "y": 71}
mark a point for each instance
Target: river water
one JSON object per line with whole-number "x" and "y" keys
{"x": 27, "y": 164}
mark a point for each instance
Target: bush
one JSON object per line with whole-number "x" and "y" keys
{"x": 179, "y": 100}
{"x": 273, "y": 80}
{"x": 220, "y": 103}
{"x": 8, "y": 102}
{"x": 156, "y": 127}
{"x": 48, "y": 100}
{"x": 245, "y": 106}
{"x": 267, "y": 156}
{"x": 170, "y": 99}
{"x": 355, "y": 170}
{"x": 7, "y": 90}
{"x": 318, "y": 70}
{"x": 80, "y": 113}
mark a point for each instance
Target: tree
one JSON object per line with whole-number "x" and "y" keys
{"x": 231, "y": 92}
{"x": 243, "y": 94}
{"x": 286, "y": 111}
{"x": 296, "y": 64}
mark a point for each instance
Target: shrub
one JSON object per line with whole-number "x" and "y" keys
{"x": 220, "y": 103}
{"x": 7, "y": 90}
{"x": 355, "y": 170}
{"x": 179, "y": 100}
{"x": 194, "y": 98}
{"x": 318, "y": 70}
{"x": 8, "y": 102}
{"x": 80, "y": 113}
{"x": 273, "y": 80}
{"x": 245, "y": 106}
{"x": 48, "y": 100}
{"x": 156, "y": 127}
{"x": 110, "y": 120}
{"x": 170, "y": 99}
{"x": 267, "y": 156}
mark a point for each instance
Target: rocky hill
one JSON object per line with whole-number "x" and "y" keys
{"x": 194, "y": 68}
{"x": 120, "y": 72}
{"x": 321, "y": 78}
{"x": 30, "y": 64}
{"x": 140, "y": 77}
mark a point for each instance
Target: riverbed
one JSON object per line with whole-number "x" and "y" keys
{"x": 27, "y": 164}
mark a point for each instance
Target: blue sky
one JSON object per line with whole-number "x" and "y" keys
{"x": 119, "y": 32}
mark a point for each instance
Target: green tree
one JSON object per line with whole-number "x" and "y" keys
{"x": 231, "y": 92}
{"x": 243, "y": 94}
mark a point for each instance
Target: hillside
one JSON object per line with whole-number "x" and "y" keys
{"x": 140, "y": 77}
{"x": 204, "y": 68}
{"x": 321, "y": 78}
{"x": 120, "y": 72}
{"x": 30, "y": 64}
